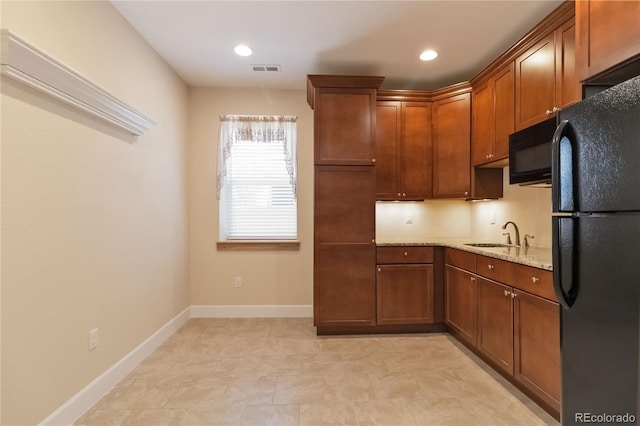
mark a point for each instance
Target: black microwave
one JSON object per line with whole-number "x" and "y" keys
{"x": 530, "y": 154}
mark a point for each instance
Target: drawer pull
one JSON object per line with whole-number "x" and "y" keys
{"x": 490, "y": 267}
{"x": 535, "y": 279}
{"x": 406, "y": 254}
{"x": 472, "y": 278}
{"x": 506, "y": 292}
{"x": 513, "y": 295}
{"x": 379, "y": 269}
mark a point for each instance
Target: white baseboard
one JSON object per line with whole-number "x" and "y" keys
{"x": 74, "y": 408}
{"x": 70, "y": 411}
{"x": 251, "y": 311}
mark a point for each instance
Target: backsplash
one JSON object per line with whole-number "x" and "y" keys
{"x": 528, "y": 207}
{"x": 431, "y": 219}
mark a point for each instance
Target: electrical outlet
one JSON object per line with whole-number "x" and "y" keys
{"x": 409, "y": 220}
{"x": 492, "y": 218}
{"x": 93, "y": 339}
{"x": 237, "y": 282}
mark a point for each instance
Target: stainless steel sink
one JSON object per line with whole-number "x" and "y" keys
{"x": 488, "y": 245}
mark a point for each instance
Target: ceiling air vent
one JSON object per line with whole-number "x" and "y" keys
{"x": 270, "y": 68}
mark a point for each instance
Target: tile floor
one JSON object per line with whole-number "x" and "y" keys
{"x": 276, "y": 371}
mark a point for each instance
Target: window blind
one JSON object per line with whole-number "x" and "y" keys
{"x": 258, "y": 196}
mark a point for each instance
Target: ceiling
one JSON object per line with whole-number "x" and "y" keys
{"x": 381, "y": 38}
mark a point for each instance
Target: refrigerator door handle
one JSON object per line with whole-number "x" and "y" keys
{"x": 562, "y": 168}
{"x": 563, "y": 256}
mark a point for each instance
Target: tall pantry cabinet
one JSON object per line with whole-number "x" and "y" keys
{"x": 344, "y": 199}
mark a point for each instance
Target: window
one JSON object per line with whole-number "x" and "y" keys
{"x": 257, "y": 175}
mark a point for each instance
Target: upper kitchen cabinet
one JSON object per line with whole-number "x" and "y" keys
{"x": 545, "y": 77}
{"x": 608, "y": 34}
{"x": 493, "y": 117}
{"x": 451, "y": 146}
{"x": 403, "y": 147}
{"x": 344, "y": 128}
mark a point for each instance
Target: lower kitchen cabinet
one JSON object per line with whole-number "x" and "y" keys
{"x": 518, "y": 331}
{"x": 405, "y": 294}
{"x": 495, "y": 323}
{"x": 405, "y": 285}
{"x": 461, "y": 303}
{"x": 344, "y": 290}
{"x": 537, "y": 346}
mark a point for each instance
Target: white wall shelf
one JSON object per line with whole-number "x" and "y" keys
{"x": 31, "y": 66}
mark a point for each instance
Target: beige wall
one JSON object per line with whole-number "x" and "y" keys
{"x": 268, "y": 277}
{"x": 94, "y": 224}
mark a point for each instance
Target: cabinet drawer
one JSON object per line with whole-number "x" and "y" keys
{"x": 405, "y": 254}
{"x": 535, "y": 281}
{"x": 461, "y": 259}
{"x": 496, "y": 269}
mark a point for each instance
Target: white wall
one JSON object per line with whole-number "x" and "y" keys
{"x": 94, "y": 224}
{"x": 268, "y": 277}
{"x": 430, "y": 220}
{"x": 528, "y": 207}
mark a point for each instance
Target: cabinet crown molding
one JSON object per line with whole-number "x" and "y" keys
{"x": 31, "y": 66}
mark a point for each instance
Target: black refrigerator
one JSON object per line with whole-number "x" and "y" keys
{"x": 596, "y": 254}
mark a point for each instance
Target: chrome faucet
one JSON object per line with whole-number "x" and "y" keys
{"x": 517, "y": 231}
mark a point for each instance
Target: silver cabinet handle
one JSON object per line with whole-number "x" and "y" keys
{"x": 466, "y": 192}
{"x": 379, "y": 269}
{"x": 506, "y": 292}
{"x": 555, "y": 109}
{"x": 406, "y": 254}
{"x": 373, "y": 241}
{"x": 513, "y": 295}
{"x": 548, "y": 112}
{"x": 472, "y": 278}
{"x": 490, "y": 267}
{"x": 535, "y": 279}
{"x": 399, "y": 194}
{"x": 373, "y": 160}
{"x": 404, "y": 194}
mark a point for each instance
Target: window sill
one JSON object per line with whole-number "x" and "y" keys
{"x": 258, "y": 245}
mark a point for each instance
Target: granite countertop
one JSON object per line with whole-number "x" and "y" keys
{"x": 537, "y": 257}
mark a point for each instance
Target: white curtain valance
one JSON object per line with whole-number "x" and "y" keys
{"x": 258, "y": 128}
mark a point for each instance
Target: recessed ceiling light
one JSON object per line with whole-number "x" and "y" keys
{"x": 428, "y": 55}
{"x": 243, "y": 50}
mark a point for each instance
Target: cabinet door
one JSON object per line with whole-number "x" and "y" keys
{"x": 388, "y": 119}
{"x": 568, "y": 88}
{"x": 535, "y": 83}
{"x": 344, "y": 284}
{"x": 415, "y": 151}
{"x": 344, "y": 204}
{"x": 482, "y": 128}
{"x": 452, "y": 146}
{"x": 503, "y": 118}
{"x": 608, "y": 34}
{"x": 344, "y": 126}
{"x": 405, "y": 294}
{"x": 537, "y": 346}
{"x": 495, "y": 323}
{"x": 460, "y": 303}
